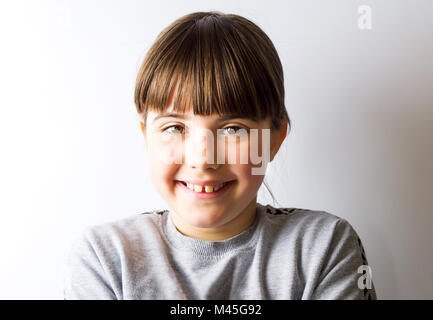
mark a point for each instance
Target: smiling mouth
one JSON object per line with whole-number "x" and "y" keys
{"x": 205, "y": 188}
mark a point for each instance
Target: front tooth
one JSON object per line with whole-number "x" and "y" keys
{"x": 208, "y": 188}
{"x": 198, "y": 188}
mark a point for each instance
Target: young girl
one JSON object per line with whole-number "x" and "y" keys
{"x": 207, "y": 78}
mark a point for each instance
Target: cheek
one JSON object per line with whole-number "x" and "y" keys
{"x": 247, "y": 181}
{"x": 248, "y": 156}
{"x": 250, "y": 150}
{"x": 161, "y": 170}
{"x": 237, "y": 150}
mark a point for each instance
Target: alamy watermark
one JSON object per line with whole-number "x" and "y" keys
{"x": 251, "y": 149}
{"x": 365, "y": 17}
{"x": 364, "y": 281}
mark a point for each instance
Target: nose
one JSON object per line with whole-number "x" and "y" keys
{"x": 200, "y": 150}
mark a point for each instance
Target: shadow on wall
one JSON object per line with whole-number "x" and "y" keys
{"x": 399, "y": 126}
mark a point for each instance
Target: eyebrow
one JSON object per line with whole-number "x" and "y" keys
{"x": 181, "y": 116}
{"x": 169, "y": 115}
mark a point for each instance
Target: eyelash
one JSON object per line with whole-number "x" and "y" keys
{"x": 236, "y": 128}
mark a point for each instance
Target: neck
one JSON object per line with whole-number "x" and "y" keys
{"x": 230, "y": 229}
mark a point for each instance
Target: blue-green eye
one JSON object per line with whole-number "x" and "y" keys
{"x": 235, "y": 130}
{"x": 167, "y": 129}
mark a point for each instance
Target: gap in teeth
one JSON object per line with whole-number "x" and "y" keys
{"x": 206, "y": 188}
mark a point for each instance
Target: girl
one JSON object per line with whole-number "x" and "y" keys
{"x": 211, "y": 77}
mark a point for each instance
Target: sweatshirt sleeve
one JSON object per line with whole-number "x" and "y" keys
{"x": 345, "y": 273}
{"x": 86, "y": 277}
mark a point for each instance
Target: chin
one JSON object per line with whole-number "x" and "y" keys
{"x": 203, "y": 219}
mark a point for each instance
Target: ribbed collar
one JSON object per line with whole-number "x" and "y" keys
{"x": 243, "y": 241}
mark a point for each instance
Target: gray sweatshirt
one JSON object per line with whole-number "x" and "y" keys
{"x": 287, "y": 253}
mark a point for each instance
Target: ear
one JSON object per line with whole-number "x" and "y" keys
{"x": 277, "y": 139}
{"x": 143, "y": 129}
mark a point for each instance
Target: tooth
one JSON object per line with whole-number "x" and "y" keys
{"x": 208, "y": 188}
{"x": 217, "y": 187}
{"x": 198, "y": 188}
{"x": 189, "y": 185}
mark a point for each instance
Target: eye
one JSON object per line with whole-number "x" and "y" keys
{"x": 235, "y": 130}
{"x": 174, "y": 127}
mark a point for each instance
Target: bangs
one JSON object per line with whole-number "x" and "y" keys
{"x": 214, "y": 64}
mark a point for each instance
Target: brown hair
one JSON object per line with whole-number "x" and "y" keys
{"x": 217, "y": 63}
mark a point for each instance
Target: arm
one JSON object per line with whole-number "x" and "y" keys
{"x": 86, "y": 276}
{"x": 341, "y": 277}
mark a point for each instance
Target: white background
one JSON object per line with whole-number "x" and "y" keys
{"x": 72, "y": 154}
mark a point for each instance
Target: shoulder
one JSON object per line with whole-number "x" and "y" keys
{"x": 99, "y": 255}
{"x": 312, "y": 228}
{"x": 325, "y": 249}
{"x": 109, "y": 237}
{"x": 299, "y": 218}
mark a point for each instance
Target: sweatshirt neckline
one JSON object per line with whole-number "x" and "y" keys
{"x": 243, "y": 241}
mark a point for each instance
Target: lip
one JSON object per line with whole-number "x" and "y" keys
{"x": 206, "y": 182}
{"x": 206, "y": 195}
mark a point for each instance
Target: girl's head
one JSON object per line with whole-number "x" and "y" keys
{"x": 213, "y": 71}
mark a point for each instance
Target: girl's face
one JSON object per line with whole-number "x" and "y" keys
{"x": 179, "y": 152}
